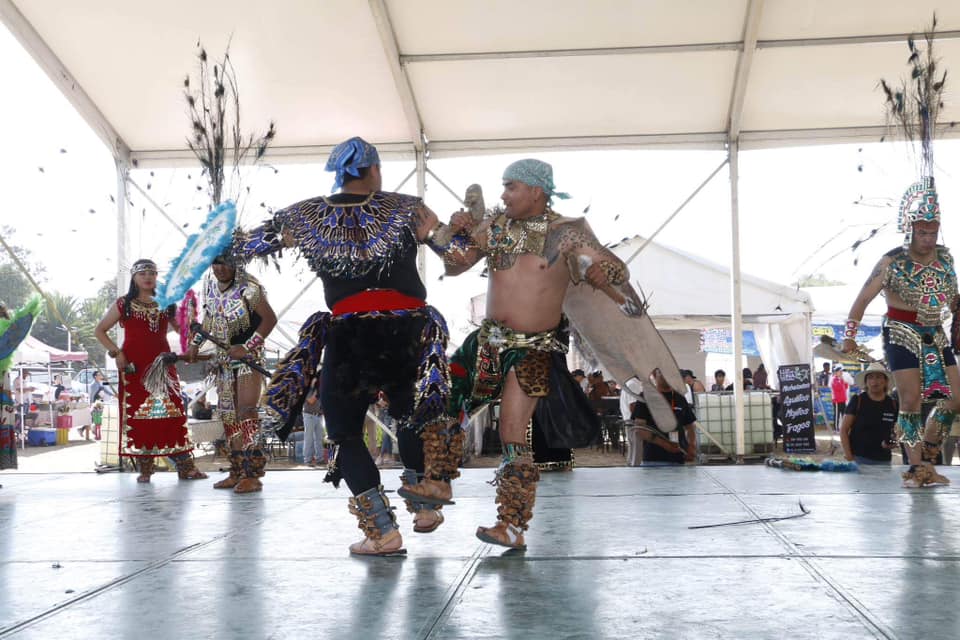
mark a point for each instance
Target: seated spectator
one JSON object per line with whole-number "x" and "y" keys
{"x": 693, "y": 386}
{"x": 598, "y": 388}
{"x": 658, "y": 447}
{"x": 201, "y": 409}
{"x": 760, "y": 378}
{"x": 747, "y": 379}
{"x": 581, "y": 379}
{"x": 719, "y": 380}
{"x": 867, "y": 430}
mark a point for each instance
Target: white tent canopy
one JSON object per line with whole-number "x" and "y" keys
{"x": 487, "y": 74}
{"x": 688, "y": 292}
{"x": 421, "y": 77}
{"x": 33, "y": 351}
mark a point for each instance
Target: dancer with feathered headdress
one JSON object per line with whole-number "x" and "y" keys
{"x": 918, "y": 279}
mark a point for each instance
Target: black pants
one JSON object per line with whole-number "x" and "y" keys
{"x": 363, "y": 356}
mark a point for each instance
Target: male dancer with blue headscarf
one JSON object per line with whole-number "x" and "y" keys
{"x": 532, "y": 255}
{"x": 379, "y": 336}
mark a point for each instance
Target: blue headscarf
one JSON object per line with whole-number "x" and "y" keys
{"x": 535, "y": 173}
{"x": 349, "y": 157}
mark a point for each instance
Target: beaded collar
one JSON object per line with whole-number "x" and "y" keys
{"x": 508, "y": 238}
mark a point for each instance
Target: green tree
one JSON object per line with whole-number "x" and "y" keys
{"x": 92, "y": 311}
{"x": 49, "y": 328}
{"x": 817, "y": 280}
{"x": 15, "y": 289}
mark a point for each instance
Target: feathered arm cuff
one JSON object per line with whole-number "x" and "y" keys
{"x": 263, "y": 241}
{"x": 449, "y": 245}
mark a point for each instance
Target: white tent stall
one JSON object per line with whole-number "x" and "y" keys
{"x": 34, "y": 354}
{"x": 689, "y": 293}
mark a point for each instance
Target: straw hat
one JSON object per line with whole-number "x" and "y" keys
{"x": 874, "y": 367}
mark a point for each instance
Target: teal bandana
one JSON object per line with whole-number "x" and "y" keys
{"x": 535, "y": 173}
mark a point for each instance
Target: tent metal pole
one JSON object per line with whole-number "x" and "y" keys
{"x": 736, "y": 316}
{"x": 445, "y": 186}
{"x": 156, "y": 206}
{"x": 421, "y": 192}
{"x": 123, "y": 236}
{"x": 751, "y": 28}
{"x": 676, "y": 211}
{"x": 405, "y": 180}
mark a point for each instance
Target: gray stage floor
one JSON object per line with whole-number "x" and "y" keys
{"x": 610, "y": 556}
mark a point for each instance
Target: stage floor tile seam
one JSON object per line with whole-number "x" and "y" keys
{"x": 102, "y": 589}
{"x": 833, "y": 588}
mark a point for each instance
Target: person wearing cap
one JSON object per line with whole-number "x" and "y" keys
{"x": 869, "y": 421}
{"x": 238, "y": 316}
{"x": 151, "y": 426}
{"x": 380, "y": 334}
{"x": 532, "y": 254}
{"x": 694, "y": 387}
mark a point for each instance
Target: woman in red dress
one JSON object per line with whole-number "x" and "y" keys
{"x": 151, "y": 426}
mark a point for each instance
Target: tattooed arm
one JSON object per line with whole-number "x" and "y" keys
{"x": 574, "y": 239}
{"x": 871, "y": 288}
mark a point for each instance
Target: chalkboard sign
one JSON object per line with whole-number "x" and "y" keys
{"x": 796, "y": 407}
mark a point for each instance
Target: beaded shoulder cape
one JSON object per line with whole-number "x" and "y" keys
{"x": 347, "y": 240}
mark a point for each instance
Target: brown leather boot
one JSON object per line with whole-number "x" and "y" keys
{"x": 426, "y": 517}
{"x": 516, "y": 482}
{"x": 187, "y": 467}
{"x": 146, "y": 470}
{"x": 379, "y": 524}
{"x": 235, "y": 472}
{"x": 932, "y": 477}
{"x": 442, "y": 453}
{"x": 252, "y": 469}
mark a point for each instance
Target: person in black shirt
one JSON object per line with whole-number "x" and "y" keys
{"x": 379, "y": 335}
{"x": 658, "y": 447}
{"x": 867, "y": 430}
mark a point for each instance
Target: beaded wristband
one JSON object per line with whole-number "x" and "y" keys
{"x": 850, "y": 330}
{"x": 255, "y": 342}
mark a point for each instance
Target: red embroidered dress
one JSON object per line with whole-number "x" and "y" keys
{"x": 150, "y": 425}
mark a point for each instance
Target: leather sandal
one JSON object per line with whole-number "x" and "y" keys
{"x": 427, "y": 520}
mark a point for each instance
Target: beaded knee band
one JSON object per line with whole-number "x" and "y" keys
{"x": 909, "y": 427}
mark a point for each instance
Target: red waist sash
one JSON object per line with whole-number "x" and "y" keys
{"x": 377, "y": 300}
{"x": 902, "y": 315}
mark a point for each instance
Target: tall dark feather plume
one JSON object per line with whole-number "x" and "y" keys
{"x": 912, "y": 107}
{"x": 213, "y": 104}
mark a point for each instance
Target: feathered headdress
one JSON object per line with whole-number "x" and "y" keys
{"x": 912, "y": 109}
{"x": 213, "y": 104}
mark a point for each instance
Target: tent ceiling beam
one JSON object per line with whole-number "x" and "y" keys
{"x": 388, "y": 38}
{"x": 692, "y": 47}
{"x": 47, "y": 60}
{"x": 708, "y": 140}
{"x": 751, "y": 27}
